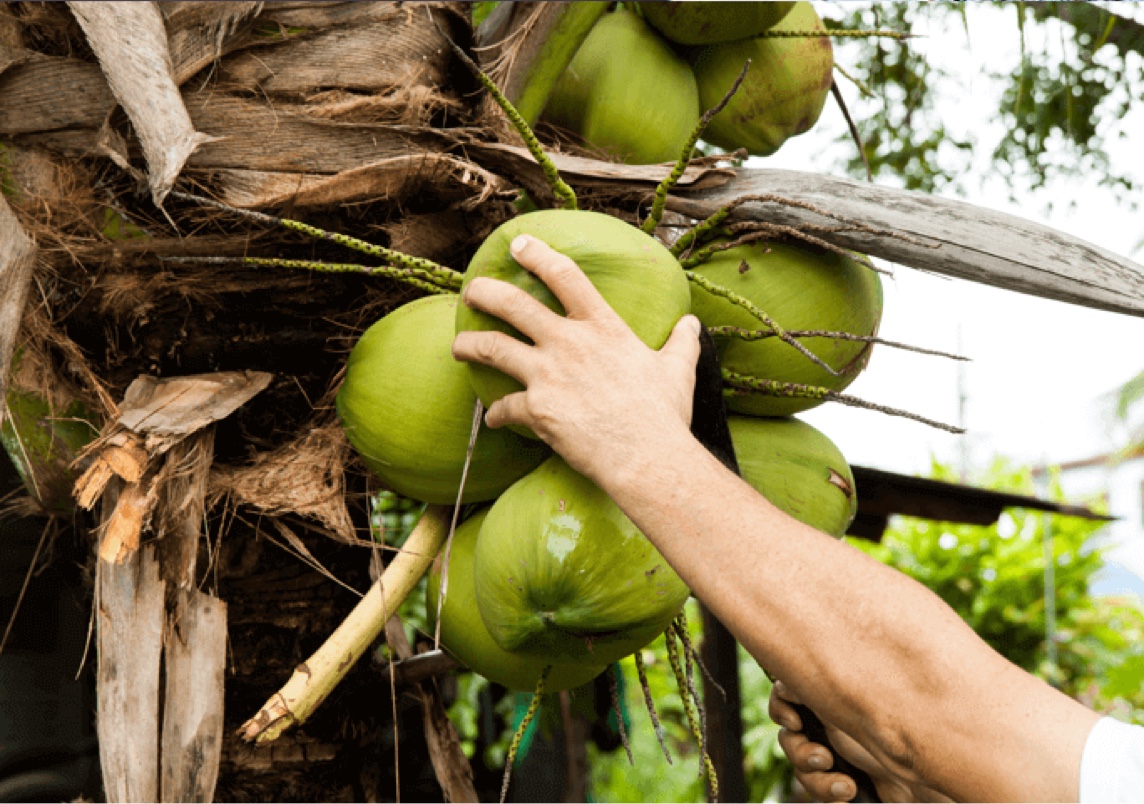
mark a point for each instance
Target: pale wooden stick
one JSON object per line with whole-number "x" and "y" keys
{"x": 315, "y": 678}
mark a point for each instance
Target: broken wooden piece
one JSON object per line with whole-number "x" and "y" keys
{"x": 156, "y": 415}
{"x": 161, "y": 641}
{"x": 130, "y": 620}
{"x": 931, "y": 233}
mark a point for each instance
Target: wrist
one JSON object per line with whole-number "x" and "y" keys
{"x": 649, "y": 465}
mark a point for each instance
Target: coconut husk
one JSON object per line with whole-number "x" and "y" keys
{"x": 364, "y": 48}
{"x": 17, "y": 257}
{"x": 304, "y": 478}
{"x": 425, "y": 174}
{"x": 77, "y": 106}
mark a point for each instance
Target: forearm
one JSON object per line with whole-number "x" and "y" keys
{"x": 868, "y": 648}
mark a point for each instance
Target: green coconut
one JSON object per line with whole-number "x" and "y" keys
{"x": 637, "y": 276}
{"x": 562, "y": 574}
{"x": 784, "y": 91}
{"x": 801, "y": 287}
{"x": 407, "y": 408}
{"x": 627, "y": 93}
{"x": 463, "y": 632}
{"x": 798, "y": 469}
{"x": 713, "y": 22}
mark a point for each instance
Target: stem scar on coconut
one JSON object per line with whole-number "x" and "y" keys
{"x": 624, "y": 262}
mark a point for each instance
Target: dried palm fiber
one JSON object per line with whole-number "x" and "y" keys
{"x": 305, "y": 477}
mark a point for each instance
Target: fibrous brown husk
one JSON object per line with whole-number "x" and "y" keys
{"x": 422, "y": 174}
{"x": 305, "y": 477}
{"x": 145, "y": 448}
{"x": 201, "y": 33}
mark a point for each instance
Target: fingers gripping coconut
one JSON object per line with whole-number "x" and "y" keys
{"x": 407, "y": 409}
{"x": 635, "y": 391}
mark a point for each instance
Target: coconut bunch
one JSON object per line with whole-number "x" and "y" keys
{"x": 553, "y": 573}
{"x": 546, "y": 583}
{"x": 559, "y": 575}
{"x": 549, "y": 582}
{"x": 638, "y": 84}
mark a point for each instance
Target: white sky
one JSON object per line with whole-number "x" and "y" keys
{"x": 1040, "y": 367}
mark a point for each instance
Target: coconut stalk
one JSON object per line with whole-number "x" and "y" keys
{"x": 531, "y": 44}
{"x": 314, "y": 679}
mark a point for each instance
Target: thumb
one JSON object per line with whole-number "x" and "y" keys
{"x": 683, "y": 343}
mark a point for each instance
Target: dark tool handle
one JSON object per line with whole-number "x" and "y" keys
{"x": 815, "y": 732}
{"x": 709, "y": 425}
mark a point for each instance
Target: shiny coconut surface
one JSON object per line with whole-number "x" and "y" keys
{"x": 798, "y": 469}
{"x": 463, "y": 632}
{"x": 709, "y": 23}
{"x": 636, "y": 274}
{"x": 562, "y": 574}
{"x": 407, "y": 408}
{"x": 802, "y": 288}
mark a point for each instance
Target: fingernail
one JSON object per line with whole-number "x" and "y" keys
{"x": 817, "y": 761}
{"x": 695, "y": 324}
{"x": 518, "y": 244}
{"x": 840, "y": 790}
{"x": 780, "y": 687}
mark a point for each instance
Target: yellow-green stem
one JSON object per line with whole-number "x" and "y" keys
{"x": 353, "y": 243}
{"x": 564, "y": 194}
{"x": 810, "y": 33}
{"x": 660, "y": 734}
{"x": 689, "y": 710}
{"x": 315, "y": 678}
{"x": 433, "y": 283}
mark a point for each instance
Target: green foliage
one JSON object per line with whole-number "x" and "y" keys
{"x": 651, "y": 778}
{"x": 116, "y": 227}
{"x": 903, "y": 127}
{"x": 1125, "y": 403}
{"x": 1059, "y": 107}
{"x": 765, "y": 765}
{"x": 481, "y": 12}
{"x": 1067, "y": 103}
{"x": 393, "y": 517}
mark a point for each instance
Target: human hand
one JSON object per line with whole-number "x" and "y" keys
{"x": 812, "y": 761}
{"x": 594, "y": 391}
